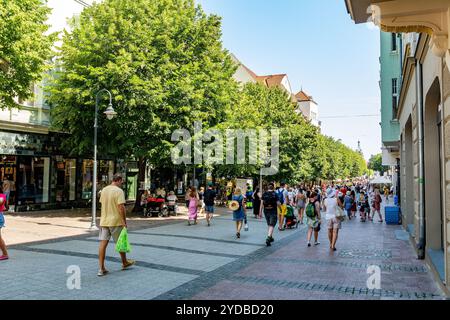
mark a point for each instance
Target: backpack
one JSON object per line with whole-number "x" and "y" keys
{"x": 280, "y": 195}
{"x": 348, "y": 203}
{"x": 209, "y": 196}
{"x": 310, "y": 211}
{"x": 270, "y": 200}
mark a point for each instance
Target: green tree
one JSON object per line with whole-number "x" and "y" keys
{"x": 24, "y": 47}
{"x": 259, "y": 107}
{"x": 165, "y": 65}
{"x": 376, "y": 163}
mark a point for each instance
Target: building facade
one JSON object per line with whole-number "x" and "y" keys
{"x": 41, "y": 175}
{"x": 390, "y": 81}
{"x": 424, "y": 119}
{"x": 308, "y": 107}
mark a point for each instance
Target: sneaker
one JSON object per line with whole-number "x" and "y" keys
{"x": 316, "y": 243}
{"x": 309, "y": 244}
{"x": 4, "y": 258}
{"x": 268, "y": 242}
{"x": 272, "y": 239}
{"x": 102, "y": 273}
{"x": 246, "y": 227}
{"x": 128, "y": 264}
{"x": 238, "y": 235}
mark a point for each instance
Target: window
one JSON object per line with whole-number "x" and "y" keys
{"x": 394, "y": 97}
{"x": 65, "y": 180}
{"x": 33, "y": 180}
{"x": 393, "y": 42}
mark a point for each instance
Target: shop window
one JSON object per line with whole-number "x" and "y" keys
{"x": 65, "y": 180}
{"x": 33, "y": 180}
{"x": 87, "y": 171}
{"x": 105, "y": 173}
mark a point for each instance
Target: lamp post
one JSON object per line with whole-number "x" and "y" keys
{"x": 110, "y": 113}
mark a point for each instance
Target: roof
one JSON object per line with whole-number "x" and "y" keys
{"x": 272, "y": 80}
{"x": 250, "y": 72}
{"x": 303, "y": 96}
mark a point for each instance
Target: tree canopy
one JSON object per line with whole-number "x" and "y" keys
{"x": 163, "y": 62}
{"x": 25, "y": 47}
{"x": 376, "y": 163}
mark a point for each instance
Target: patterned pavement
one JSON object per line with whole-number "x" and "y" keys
{"x": 178, "y": 262}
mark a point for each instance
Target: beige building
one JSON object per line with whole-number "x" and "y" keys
{"x": 424, "y": 117}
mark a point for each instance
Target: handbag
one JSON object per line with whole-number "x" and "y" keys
{"x": 340, "y": 214}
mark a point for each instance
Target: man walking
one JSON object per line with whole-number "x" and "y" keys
{"x": 113, "y": 220}
{"x": 208, "y": 198}
{"x": 270, "y": 203}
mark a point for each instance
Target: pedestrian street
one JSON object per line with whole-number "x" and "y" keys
{"x": 176, "y": 261}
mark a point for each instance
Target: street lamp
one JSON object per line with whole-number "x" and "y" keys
{"x": 110, "y": 113}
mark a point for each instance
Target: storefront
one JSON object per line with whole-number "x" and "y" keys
{"x": 41, "y": 177}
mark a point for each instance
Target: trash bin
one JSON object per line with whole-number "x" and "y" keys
{"x": 392, "y": 215}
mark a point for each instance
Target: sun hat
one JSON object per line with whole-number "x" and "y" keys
{"x": 349, "y": 193}
{"x": 234, "y": 205}
{"x": 330, "y": 193}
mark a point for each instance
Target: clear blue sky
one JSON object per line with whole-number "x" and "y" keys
{"x": 321, "y": 49}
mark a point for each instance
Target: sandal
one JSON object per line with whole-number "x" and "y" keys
{"x": 128, "y": 264}
{"x": 102, "y": 273}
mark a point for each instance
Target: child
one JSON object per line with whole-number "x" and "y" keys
{"x": 4, "y": 255}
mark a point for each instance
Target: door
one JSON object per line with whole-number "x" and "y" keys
{"x": 132, "y": 185}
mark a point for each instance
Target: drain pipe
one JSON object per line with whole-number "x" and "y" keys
{"x": 420, "y": 126}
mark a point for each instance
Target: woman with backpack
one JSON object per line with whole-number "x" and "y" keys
{"x": 313, "y": 218}
{"x": 239, "y": 213}
{"x": 348, "y": 204}
{"x": 3, "y": 206}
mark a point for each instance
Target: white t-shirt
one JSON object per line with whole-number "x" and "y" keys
{"x": 330, "y": 204}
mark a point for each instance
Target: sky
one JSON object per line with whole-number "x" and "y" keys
{"x": 315, "y": 42}
{"x": 323, "y": 52}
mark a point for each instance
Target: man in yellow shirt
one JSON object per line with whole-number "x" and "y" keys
{"x": 113, "y": 220}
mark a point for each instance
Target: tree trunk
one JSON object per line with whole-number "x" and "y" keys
{"x": 141, "y": 182}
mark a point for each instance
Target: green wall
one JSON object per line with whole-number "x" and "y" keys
{"x": 390, "y": 68}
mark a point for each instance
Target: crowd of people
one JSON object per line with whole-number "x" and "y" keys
{"x": 288, "y": 206}
{"x": 285, "y": 206}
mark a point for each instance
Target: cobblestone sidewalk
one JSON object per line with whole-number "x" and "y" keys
{"x": 175, "y": 261}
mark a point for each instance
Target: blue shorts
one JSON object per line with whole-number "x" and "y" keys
{"x": 2, "y": 220}
{"x": 210, "y": 209}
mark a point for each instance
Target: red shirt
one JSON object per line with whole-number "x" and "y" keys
{"x": 3, "y": 205}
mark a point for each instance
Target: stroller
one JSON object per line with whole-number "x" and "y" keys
{"x": 290, "y": 218}
{"x": 156, "y": 207}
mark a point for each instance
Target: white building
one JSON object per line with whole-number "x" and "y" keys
{"x": 308, "y": 107}
{"x": 305, "y": 103}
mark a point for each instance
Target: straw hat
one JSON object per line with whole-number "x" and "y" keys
{"x": 234, "y": 205}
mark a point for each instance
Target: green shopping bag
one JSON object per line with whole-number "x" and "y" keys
{"x": 123, "y": 245}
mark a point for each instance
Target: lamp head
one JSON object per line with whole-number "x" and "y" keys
{"x": 110, "y": 113}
